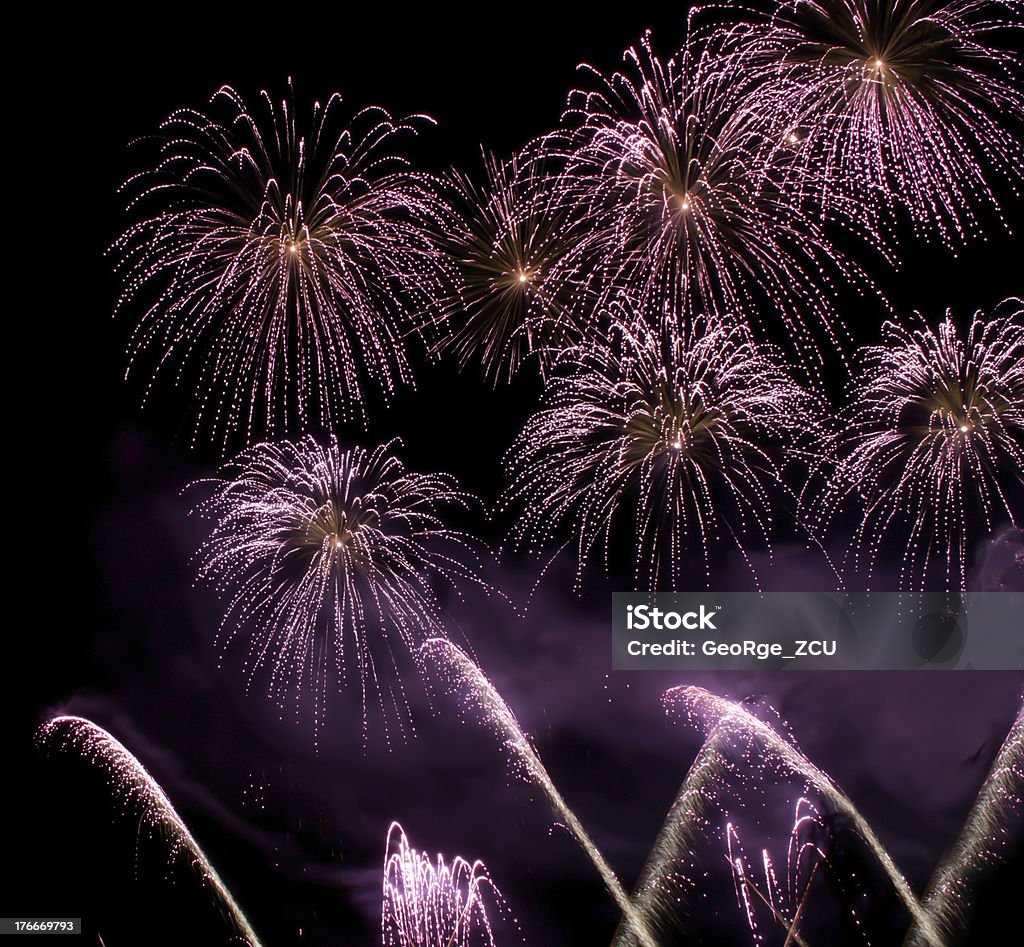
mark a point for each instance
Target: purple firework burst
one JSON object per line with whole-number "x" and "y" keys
{"x": 331, "y": 561}
{"x": 273, "y": 258}
{"x": 675, "y": 168}
{"x": 900, "y": 103}
{"x": 932, "y": 450}
{"x": 668, "y": 426}
{"x": 511, "y": 250}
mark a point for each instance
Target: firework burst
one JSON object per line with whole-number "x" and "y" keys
{"x": 679, "y": 180}
{"x": 331, "y": 560}
{"x": 667, "y": 425}
{"x": 933, "y": 444}
{"x": 430, "y": 902}
{"x": 509, "y": 246}
{"x": 899, "y": 102}
{"x": 268, "y": 256}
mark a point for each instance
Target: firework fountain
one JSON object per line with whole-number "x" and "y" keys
{"x": 479, "y": 696}
{"x": 431, "y": 902}
{"x": 978, "y": 845}
{"x": 701, "y": 707}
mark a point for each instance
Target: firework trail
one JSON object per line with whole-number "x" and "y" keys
{"x": 659, "y": 888}
{"x": 978, "y": 845}
{"x": 668, "y": 425}
{"x": 479, "y": 695}
{"x": 331, "y": 558}
{"x": 135, "y": 788}
{"x": 509, "y": 246}
{"x": 679, "y": 178}
{"x": 933, "y": 445}
{"x": 785, "y": 899}
{"x": 900, "y": 103}
{"x": 434, "y": 903}
{"x": 701, "y": 708}
{"x": 273, "y": 256}
{"x": 663, "y": 883}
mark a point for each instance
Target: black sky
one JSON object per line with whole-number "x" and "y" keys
{"x": 103, "y": 599}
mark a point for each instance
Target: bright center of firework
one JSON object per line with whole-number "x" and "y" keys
{"x": 879, "y": 65}
{"x": 793, "y": 138}
{"x": 684, "y": 203}
{"x": 523, "y": 278}
{"x": 964, "y": 428}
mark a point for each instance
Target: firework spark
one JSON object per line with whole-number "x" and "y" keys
{"x": 273, "y": 257}
{"x": 480, "y": 696}
{"x": 679, "y": 180}
{"x": 900, "y": 102}
{"x": 783, "y": 893}
{"x": 669, "y": 425}
{"x": 933, "y": 444}
{"x": 430, "y": 902}
{"x": 509, "y": 246}
{"x": 331, "y": 558}
{"x": 138, "y": 792}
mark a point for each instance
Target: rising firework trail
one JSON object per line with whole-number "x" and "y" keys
{"x": 702, "y": 708}
{"x": 668, "y": 427}
{"x": 979, "y": 843}
{"x": 679, "y": 180}
{"x": 509, "y": 247}
{"x": 666, "y": 885}
{"x": 331, "y": 560}
{"x": 137, "y": 791}
{"x": 902, "y": 103}
{"x": 433, "y": 902}
{"x": 273, "y": 254}
{"x": 659, "y": 890}
{"x": 932, "y": 445}
{"x": 479, "y": 696}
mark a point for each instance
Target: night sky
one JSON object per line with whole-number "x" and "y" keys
{"x": 115, "y": 631}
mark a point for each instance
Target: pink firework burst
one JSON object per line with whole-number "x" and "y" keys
{"x": 689, "y": 199}
{"x": 933, "y": 445}
{"x": 900, "y": 103}
{"x": 668, "y": 426}
{"x": 331, "y": 561}
{"x": 511, "y": 250}
{"x": 272, "y": 259}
